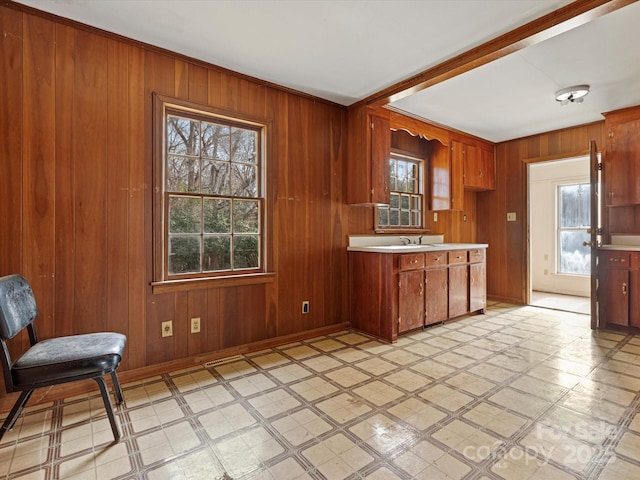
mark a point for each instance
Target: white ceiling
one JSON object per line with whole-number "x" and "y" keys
{"x": 347, "y": 50}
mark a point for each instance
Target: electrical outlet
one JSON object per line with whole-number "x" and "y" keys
{"x": 305, "y": 306}
{"x": 435, "y": 216}
{"x": 167, "y": 328}
{"x": 195, "y": 325}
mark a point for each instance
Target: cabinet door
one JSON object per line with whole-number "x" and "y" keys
{"x": 622, "y": 164}
{"x": 436, "y": 295}
{"x": 380, "y": 153}
{"x": 457, "y": 187}
{"x": 368, "y": 153}
{"x": 458, "y": 290}
{"x": 478, "y": 168}
{"x": 411, "y": 300}
{"x": 477, "y": 287}
{"x": 614, "y": 296}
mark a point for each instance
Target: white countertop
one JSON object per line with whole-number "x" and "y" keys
{"x": 416, "y": 248}
{"x": 629, "y": 248}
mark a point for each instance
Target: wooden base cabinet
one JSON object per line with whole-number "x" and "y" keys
{"x": 436, "y": 288}
{"x": 458, "y": 283}
{"x": 619, "y": 288}
{"x": 410, "y": 292}
{"x": 394, "y": 293}
{"x": 477, "y": 280}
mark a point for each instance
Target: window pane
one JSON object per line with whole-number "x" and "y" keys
{"x": 416, "y": 219}
{"x": 402, "y": 176}
{"x": 243, "y": 145}
{"x": 383, "y": 216}
{"x": 584, "y": 204}
{"x": 393, "y": 181}
{"x": 575, "y": 206}
{"x": 183, "y": 136}
{"x": 184, "y": 215}
{"x": 184, "y": 255}
{"x": 404, "y": 218}
{"x": 574, "y": 256}
{"x": 183, "y": 174}
{"x": 394, "y": 218}
{"x": 404, "y": 202}
{"x": 245, "y": 216}
{"x": 215, "y": 178}
{"x": 245, "y": 251}
{"x": 217, "y": 253}
{"x": 243, "y": 180}
{"x": 215, "y": 141}
{"x": 217, "y": 215}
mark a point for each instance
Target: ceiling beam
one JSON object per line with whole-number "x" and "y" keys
{"x": 555, "y": 23}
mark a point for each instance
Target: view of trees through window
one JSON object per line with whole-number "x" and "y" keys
{"x": 405, "y": 198}
{"x": 574, "y": 218}
{"x": 212, "y": 193}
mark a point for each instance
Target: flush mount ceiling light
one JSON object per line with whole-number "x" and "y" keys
{"x": 572, "y": 94}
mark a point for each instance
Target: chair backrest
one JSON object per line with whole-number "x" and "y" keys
{"x": 18, "y": 307}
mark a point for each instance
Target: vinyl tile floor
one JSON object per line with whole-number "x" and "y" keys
{"x": 518, "y": 393}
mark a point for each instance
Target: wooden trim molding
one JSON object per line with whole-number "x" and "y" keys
{"x": 548, "y": 26}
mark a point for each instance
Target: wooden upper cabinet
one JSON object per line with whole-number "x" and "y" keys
{"x": 446, "y": 170}
{"x": 622, "y": 158}
{"x": 369, "y": 148}
{"x": 479, "y": 167}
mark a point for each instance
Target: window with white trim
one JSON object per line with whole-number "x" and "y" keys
{"x": 210, "y": 214}
{"x": 405, "y": 209}
{"x": 574, "y": 220}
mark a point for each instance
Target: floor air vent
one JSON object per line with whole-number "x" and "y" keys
{"x": 220, "y": 361}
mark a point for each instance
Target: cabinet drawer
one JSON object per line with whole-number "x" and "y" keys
{"x": 413, "y": 261}
{"x": 458, "y": 256}
{"x": 436, "y": 259}
{"x": 615, "y": 259}
{"x": 476, "y": 256}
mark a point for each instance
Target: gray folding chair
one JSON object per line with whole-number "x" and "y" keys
{"x": 55, "y": 360}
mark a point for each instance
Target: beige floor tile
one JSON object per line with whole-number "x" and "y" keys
{"x": 347, "y": 376}
{"x": 417, "y": 413}
{"x": 382, "y": 434}
{"x": 618, "y": 468}
{"x": 525, "y": 392}
{"x": 376, "y": 366}
{"x": 446, "y": 397}
{"x": 274, "y": 403}
{"x": 378, "y": 393}
{"x": 314, "y": 388}
{"x": 629, "y": 445}
{"x": 407, "y": 380}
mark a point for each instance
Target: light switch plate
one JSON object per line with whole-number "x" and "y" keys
{"x": 511, "y": 216}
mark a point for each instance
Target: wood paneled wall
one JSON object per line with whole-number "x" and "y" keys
{"x": 75, "y": 193}
{"x": 507, "y": 267}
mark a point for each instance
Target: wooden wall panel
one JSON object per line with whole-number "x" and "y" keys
{"x": 11, "y": 119}
{"x": 138, "y": 287}
{"x": 38, "y": 154}
{"x": 507, "y": 256}
{"x": 90, "y": 166}
{"x": 79, "y": 202}
{"x": 65, "y": 178}
{"x": 117, "y": 166}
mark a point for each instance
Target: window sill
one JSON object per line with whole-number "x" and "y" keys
{"x": 216, "y": 282}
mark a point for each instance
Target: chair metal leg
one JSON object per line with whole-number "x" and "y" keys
{"x": 108, "y": 407}
{"x": 15, "y": 412}
{"x": 116, "y": 387}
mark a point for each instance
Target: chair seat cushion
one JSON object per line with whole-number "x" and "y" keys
{"x": 61, "y": 359}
